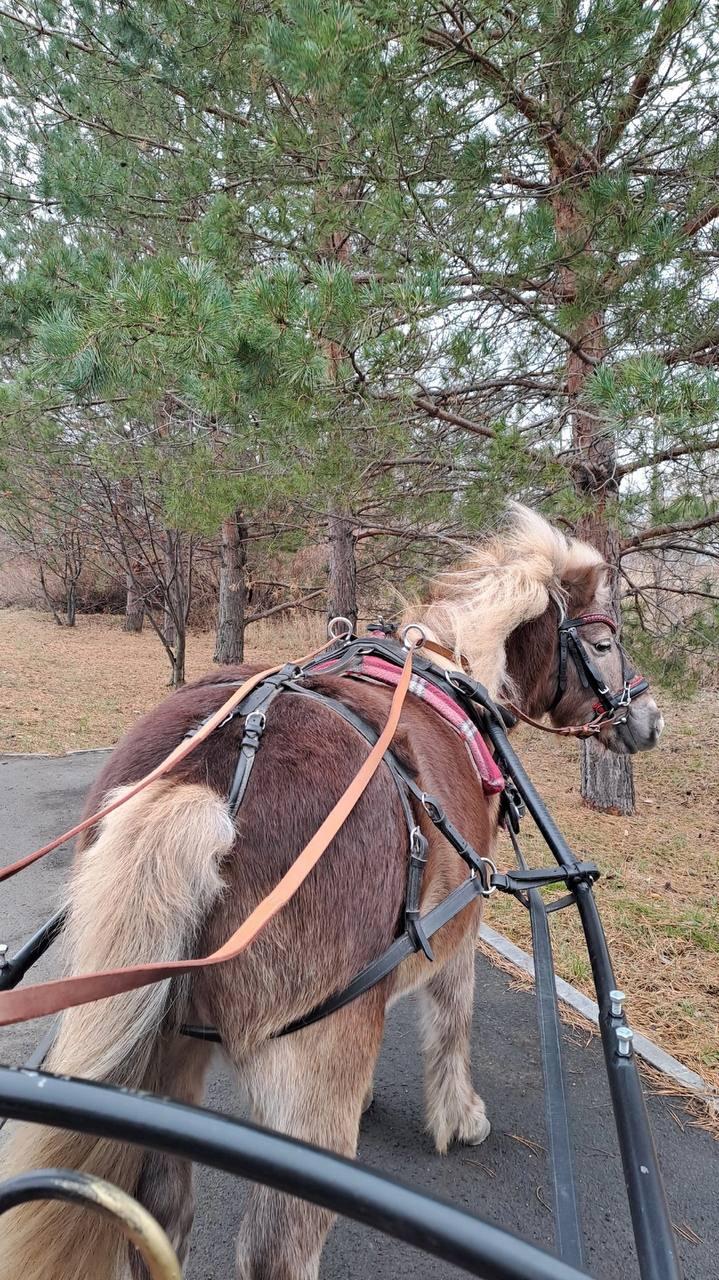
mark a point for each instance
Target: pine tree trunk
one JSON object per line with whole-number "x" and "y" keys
{"x": 230, "y": 643}
{"x": 342, "y": 585}
{"x": 607, "y": 783}
{"x": 134, "y": 607}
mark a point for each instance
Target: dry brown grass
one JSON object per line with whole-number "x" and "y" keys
{"x": 64, "y": 690}
{"x": 659, "y": 892}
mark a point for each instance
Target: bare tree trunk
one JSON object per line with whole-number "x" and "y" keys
{"x": 134, "y": 603}
{"x": 134, "y": 606}
{"x": 169, "y": 628}
{"x": 170, "y": 568}
{"x": 178, "y": 665}
{"x": 70, "y": 605}
{"x": 174, "y": 628}
{"x": 230, "y": 643}
{"x": 342, "y": 585}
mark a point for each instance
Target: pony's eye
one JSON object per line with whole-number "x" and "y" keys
{"x": 603, "y": 646}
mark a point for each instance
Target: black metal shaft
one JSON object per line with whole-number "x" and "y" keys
{"x": 14, "y": 970}
{"x": 653, "y": 1231}
{"x": 535, "y": 805}
{"x": 324, "y": 1179}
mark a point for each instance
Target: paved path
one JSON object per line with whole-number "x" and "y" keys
{"x": 505, "y": 1180}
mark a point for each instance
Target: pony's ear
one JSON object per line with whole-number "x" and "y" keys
{"x": 587, "y": 584}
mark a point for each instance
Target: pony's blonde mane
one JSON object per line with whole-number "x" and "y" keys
{"x": 505, "y": 581}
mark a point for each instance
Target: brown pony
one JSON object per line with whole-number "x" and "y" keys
{"x": 170, "y": 875}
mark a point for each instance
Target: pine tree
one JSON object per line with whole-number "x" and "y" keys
{"x": 394, "y": 263}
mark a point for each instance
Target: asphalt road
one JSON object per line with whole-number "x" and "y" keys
{"x": 504, "y": 1181}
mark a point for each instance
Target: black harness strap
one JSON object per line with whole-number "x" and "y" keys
{"x": 374, "y": 972}
{"x": 403, "y": 947}
{"x": 255, "y": 722}
{"x": 570, "y": 643}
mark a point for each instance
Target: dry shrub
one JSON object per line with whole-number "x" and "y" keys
{"x": 291, "y": 634}
{"x": 19, "y": 586}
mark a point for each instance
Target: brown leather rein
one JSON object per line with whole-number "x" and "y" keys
{"x": 65, "y": 993}
{"x": 588, "y": 730}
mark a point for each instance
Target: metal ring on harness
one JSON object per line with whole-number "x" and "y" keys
{"x": 413, "y": 644}
{"x": 333, "y": 628}
{"x": 489, "y": 888}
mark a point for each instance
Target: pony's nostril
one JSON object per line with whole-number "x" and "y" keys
{"x": 658, "y": 725}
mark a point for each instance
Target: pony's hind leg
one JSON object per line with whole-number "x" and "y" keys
{"x": 455, "y": 1113}
{"x": 310, "y": 1086}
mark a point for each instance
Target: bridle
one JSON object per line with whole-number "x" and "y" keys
{"x": 610, "y": 708}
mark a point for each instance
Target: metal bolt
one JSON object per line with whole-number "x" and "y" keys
{"x": 617, "y": 998}
{"x": 3, "y": 954}
{"x": 624, "y": 1041}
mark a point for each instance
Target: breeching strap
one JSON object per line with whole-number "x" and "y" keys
{"x": 44, "y": 998}
{"x": 182, "y": 750}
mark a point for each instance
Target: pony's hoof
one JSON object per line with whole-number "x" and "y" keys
{"x": 475, "y": 1129}
{"x": 471, "y": 1128}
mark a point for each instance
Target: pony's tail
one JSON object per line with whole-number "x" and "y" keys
{"x": 139, "y": 893}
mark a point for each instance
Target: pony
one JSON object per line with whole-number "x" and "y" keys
{"x": 169, "y": 875}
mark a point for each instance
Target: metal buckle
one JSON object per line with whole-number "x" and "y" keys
{"x": 626, "y": 696}
{"x": 430, "y": 806}
{"x": 255, "y": 721}
{"x": 452, "y": 677}
{"x": 417, "y": 844}
{"x": 230, "y": 716}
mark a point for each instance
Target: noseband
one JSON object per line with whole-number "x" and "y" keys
{"x": 609, "y": 708}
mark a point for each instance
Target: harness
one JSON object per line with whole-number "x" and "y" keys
{"x": 462, "y": 703}
{"x": 608, "y": 704}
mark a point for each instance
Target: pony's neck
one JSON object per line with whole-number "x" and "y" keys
{"x": 532, "y": 662}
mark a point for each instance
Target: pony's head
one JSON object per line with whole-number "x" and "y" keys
{"x": 531, "y": 610}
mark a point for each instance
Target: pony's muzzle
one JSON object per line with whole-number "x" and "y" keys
{"x": 643, "y": 727}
